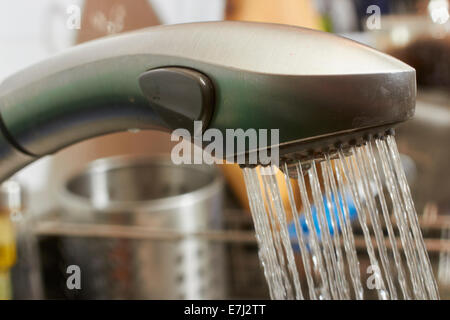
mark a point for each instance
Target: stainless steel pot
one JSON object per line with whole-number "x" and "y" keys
{"x": 172, "y": 203}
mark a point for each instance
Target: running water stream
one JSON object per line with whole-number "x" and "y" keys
{"x": 347, "y": 195}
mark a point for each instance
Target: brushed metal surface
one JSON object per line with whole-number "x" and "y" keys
{"x": 253, "y": 47}
{"x": 149, "y": 192}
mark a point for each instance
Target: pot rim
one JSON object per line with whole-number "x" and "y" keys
{"x": 70, "y": 200}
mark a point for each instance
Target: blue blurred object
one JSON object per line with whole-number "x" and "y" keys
{"x": 303, "y": 224}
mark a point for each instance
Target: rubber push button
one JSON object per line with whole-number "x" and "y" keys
{"x": 179, "y": 95}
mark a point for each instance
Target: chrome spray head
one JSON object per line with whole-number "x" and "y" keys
{"x": 318, "y": 89}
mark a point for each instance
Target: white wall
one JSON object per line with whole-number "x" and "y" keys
{"x": 176, "y": 11}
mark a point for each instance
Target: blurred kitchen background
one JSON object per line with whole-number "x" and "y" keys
{"x": 184, "y": 232}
